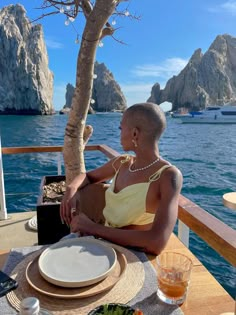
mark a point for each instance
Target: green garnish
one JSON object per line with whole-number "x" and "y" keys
{"x": 114, "y": 310}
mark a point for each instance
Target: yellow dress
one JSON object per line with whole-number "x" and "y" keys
{"x": 128, "y": 206}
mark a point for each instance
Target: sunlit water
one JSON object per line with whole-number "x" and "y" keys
{"x": 206, "y": 155}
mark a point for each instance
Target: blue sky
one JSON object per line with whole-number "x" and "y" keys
{"x": 158, "y": 45}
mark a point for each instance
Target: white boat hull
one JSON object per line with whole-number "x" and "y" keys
{"x": 204, "y": 120}
{"x": 225, "y": 114}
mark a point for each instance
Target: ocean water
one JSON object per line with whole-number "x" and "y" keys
{"x": 206, "y": 155}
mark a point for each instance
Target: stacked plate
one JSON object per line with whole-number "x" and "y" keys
{"x": 74, "y": 268}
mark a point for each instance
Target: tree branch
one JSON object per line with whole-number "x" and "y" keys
{"x": 88, "y": 131}
{"x": 53, "y": 2}
{"x": 107, "y": 31}
{"x": 44, "y": 15}
{"x": 86, "y": 7}
{"x": 119, "y": 41}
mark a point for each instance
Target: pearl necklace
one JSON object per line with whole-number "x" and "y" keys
{"x": 143, "y": 168}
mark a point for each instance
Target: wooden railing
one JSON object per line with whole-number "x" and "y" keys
{"x": 214, "y": 232}
{"x": 110, "y": 153}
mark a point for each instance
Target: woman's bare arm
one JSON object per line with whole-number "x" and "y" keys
{"x": 152, "y": 240}
{"x": 100, "y": 174}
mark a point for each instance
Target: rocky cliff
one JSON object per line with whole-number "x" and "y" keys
{"x": 107, "y": 94}
{"x": 207, "y": 79}
{"x": 69, "y": 94}
{"x": 26, "y": 83}
{"x": 106, "y": 91}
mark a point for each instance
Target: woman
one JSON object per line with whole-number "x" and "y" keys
{"x": 142, "y": 201}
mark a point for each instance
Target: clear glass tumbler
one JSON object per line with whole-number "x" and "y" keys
{"x": 173, "y": 276}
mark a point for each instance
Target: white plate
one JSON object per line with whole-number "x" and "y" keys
{"x": 77, "y": 262}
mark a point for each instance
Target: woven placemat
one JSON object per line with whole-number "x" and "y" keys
{"x": 129, "y": 285}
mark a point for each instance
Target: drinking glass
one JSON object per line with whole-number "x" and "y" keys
{"x": 173, "y": 275}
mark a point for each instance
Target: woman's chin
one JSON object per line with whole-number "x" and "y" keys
{"x": 126, "y": 148}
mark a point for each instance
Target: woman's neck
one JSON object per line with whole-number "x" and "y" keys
{"x": 145, "y": 158}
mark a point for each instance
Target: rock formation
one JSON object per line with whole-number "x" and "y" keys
{"x": 69, "y": 94}
{"x": 207, "y": 79}
{"x": 107, "y": 94}
{"x": 26, "y": 83}
{"x": 106, "y": 91}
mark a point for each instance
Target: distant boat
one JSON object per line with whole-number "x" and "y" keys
{"x": 182, "y": 112}
{"x": 225, "y": 114}
{"x": 179, "y": 115}
{"x": 117, "y": 110}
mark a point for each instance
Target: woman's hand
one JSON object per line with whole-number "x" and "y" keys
{"x": 68, "y": 205}
{"x": 81, "y": 223}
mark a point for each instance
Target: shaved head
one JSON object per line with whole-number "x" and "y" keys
{"x": 148, "y": 118}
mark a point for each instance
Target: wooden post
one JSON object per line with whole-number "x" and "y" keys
{"x": 183, "y": 233}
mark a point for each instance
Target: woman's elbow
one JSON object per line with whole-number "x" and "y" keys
{"x": 155, "y": 247}
{"x": 156, "y": 244}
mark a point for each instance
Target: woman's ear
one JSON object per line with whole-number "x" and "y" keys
{"x": 135, "y": 132}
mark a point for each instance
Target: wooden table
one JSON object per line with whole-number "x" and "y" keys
{"x": 206, "y": 296}
{"x": 229, "y": 200}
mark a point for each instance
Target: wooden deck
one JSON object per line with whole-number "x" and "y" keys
{"x": 14, "y": 232}
{"x": 206, "y": 296}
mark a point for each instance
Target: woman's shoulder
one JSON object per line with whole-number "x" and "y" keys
{"x": 121, "y": 159}
{"x": 124, "y": 158}
{"x": 168, "y": 168}
{"x": 164, "y": 171}
{"x": 172, "y": 175}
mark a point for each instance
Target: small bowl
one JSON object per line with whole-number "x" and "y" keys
{"x": 112, "y": 307}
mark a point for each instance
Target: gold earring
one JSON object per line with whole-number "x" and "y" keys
{"x": 135, "y": 143}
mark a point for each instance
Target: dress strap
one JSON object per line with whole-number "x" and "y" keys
{"x": 158, "y": 173}
{"x": 123, "y": 159}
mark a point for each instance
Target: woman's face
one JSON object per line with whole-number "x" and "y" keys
{"x": 126, "y": 134}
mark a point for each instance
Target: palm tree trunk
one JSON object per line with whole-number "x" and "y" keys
{"x": 73, "y": 140}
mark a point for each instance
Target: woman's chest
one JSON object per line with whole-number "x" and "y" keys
{"x": 138, "y": 187}
{"x": 125, "y": 179}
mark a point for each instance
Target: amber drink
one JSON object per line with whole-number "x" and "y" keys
{"x": 173, "y": 275}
